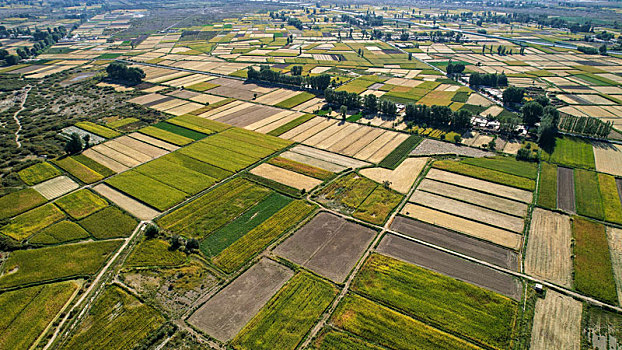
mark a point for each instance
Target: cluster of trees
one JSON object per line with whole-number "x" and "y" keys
{"x": 42, "y": 38}
{"x": 292, "y": 21}
{"x": 342, "y": 98}
{"x": 586, "y": 126}
{"x": 318, "y": 82}
{"x": 501, "y": 50}
{"x": 76, "y": 144}
{"x": 441, "y": 117}
{"x": 8, "y": 59}
{"x": 540, "y": 110}
{"x": 490, "y": 79}
{"x": 455, "y": 68}
{"x": 121, "y": 72}
{"x": 351, "y": 100}
{"x": 513, "y": 94}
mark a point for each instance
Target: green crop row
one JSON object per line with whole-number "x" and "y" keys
{"x": 508, "y": 165}
{"x": 295, "y": 100}
{"x": 79, "y": 170}
{"x": 165, "y": 135}
{"x": 587, "y": 194}
{"x": 290, "y": 125}
{"x": 38, "y": 173}
{"x": 393, "y": 159}
{"x": 26, "y": 224}
{"x": 98, "y": 129}
{"x": 147, "y": 190}
{"x": 547, "y": 186}
{"x": 486, "y": 174}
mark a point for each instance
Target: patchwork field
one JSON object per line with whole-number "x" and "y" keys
{"x": 401, "y": 178}
{"x": 608, "y": 158}
{"x": 129, "y": 204}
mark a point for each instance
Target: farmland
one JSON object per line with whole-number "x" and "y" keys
{"x": 486, "y": 174}
{"x": 38, "y": 173}
{"x": 587, "y": 194}
{"x": 61, "y": 232}
{"x": 24, "y": 225}
{"x": 81, "y": 204}
{"x": 18, "y": 202}
{"x": 547, "y": 187}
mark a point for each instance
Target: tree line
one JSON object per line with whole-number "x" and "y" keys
{"x": 318, "y": 82}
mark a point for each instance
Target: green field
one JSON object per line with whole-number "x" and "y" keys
{"x": 176, "y": 129}
{"x": 24, "y": 225}
{"x": 378, "y": 205}
{"x": 226, "y": 235}
{"x": 486, "y": 174}
{"x": 196, "y": 165}
{"x": 176, "y": 175}
{"x": 98, "y": 129}
{"x": 284, "y": 321}
{"x": 395, "y": 158}
{"x": 255, "y": 138}
{"x": 257, "y": 239}
{"x": 100, "y": 169}
{"x": 165, "y": 135}
{"x": 81, "y": 203}
{"x": 388, "y": 328}
{"x": 121, "y": 122}
{"x": 290, "y": 125}
{"x": 247, "y": 149}
{"x": 202, "y": 125}
{"x": 219, "y": 157}
{"x": 117, "y": 320}
{"x": 18, "y": 202}
{"x": 454, "y": 306}
{"x": 593, "y": 272}
{"x": 508, "y": 165}
{"x": 336, "y": 340}
{"x": 63, "y": 261}
{"x": 154, "y": 252}
{"x": 27, "y": 312}
{"x": 214, "y": 209}
{"x": 357, "y": 85}
{"x": 572, "y": 152}
{"x": 60, "y": 232}
{"x": 79, "y": 170}
{"x": 203, "y": 86}
{"x": 547, "y": 186}
{"x": 611, "y": 201}
{"x": 301, "y": 168}
{"x": 587, "y": 194}
{"x": 38, "y": 173}
{"x": 147, "y": 190}
{"x": 349, "y": 191}
{"x": 109, "y": 223}
{"x": 295, "y": 100}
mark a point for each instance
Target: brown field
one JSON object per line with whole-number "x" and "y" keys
{"x": 481, "y": 185}
{"x": 512, "y": 147}
{"x": 492, "y": 234}
{"x": 105, "y": 161}
{"x": 142, "y": 147}
{"x": 128, "y": 204}
{"x": 565, "y": 189}
{"x": 227, "y": 109}
{"x": 485, "y": 200}
{"x": 614, "y": 236}
{"x": 184, "y": 109}
{"x": 56, "y": 187}
{"x": 227, "y": 312}
{"x": 252, "y": 114}
{"x": 279, "y": 115}
{"x": 142, "y": 100}
{"x": 329, "y": 157}
{"x": 402, "y": 178}
{"x": 153, "y": 141}
{"x": 387, "y": 148}
{"x": 207, "y": 98}
{"x": 128, "y": 151}
{"x": 608, "y": 158}
{"x": 557, "y": 322}
{"x": 450, "y": 265}
{"x": 549, "y": 247}
{"x": 286, "y": 177}
{"x": 468, "y": 211}
{"x": 356, "y": 146}
{"x": 302, "y": 128}
{"x": 116, "y": 155}
{"x": 328, "y": 245}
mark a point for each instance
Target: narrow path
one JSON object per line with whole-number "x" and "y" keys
{"x": 23, "y": 96}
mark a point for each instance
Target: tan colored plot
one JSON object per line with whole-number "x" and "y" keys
{"x": 481, "y": 140}
{"x": 329, "y": 156}
{"x": 400, "y": 179}
{"x": 168, "y": 104}
{"x": 128, "y": 204}
{"x": 387, "y": 148}
{"x": 56, "y": 187}
{"x": 184, "y": 109}
{"x": 105, "y": 161}
{"x": 312, "y": 103}
{"x": 493, "y": 111}
{"x": 319, "y": 127}
{"x": 481, "y": 185}
{"x": 468, "y": 211}
{"x": 142, "y": 147}
{"x": 220, "y": 109}
{"x": 231, "y": 110}
{"x": 269, "y": 127}
{"x": 353, "y": 137}
{"x": 614, "y": 237}
{"x": 549, "y": 247}
{"x": 318, "y": 138}
{"x": 512, "y": 147}
{"x": 478, "y": 100}
{"x": 142, "y": 100}
{"x": 286, "y": 177}
{"x": 492, "y": 234}
{"x": 361, "y": 142}
{"x": 116, "y": 155}
{"x": 478, "y": 198}
{"x": 265, "y": 121}
{"x": 369, "y": 150}
{"x": 301, "y": 128}
{"x": 557, "y": 322}
{"x": 128, "y": 151}
{"x": 595, "y": 111}
{"x": 207, "y": 99}
{"x": 346, "y": 129}
{"x": 153, "y": 141}
{"x": 608, "y": 157}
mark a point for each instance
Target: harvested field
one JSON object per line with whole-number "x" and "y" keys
{"x": 117, "y": 156}
{"x": 227, "y": 312}
{"x": 450, "y": 265}
{"x": 614, "y": 236}
{"x": 328, "y": 245}
{"x": 329, "y": 157}
{"x": 474, "y": 247}
{"x": 286, "y": 177}
{"x": 400, "y": 153}
{"x": 381, "y": 142}
{"x": 350, "y": 149}
{"x": 608, "y": 158}
{"x": 153, "y": 141}
{"x": 474, "y": 197}
{"x": 548, "y": 253}
{"x": 314, "y": 162}
{"x": 468, "y": 211}
{"x": 56, "y": 187}
{"x": 480, "y": 185}
{"x": 301, "y": 168}
{"x": 105, "y": 161}
{"x": 129, "y": 151}
{"x": 400, "y": 179}
{"x": 385, "y": 150}
{"x": 557, "y": 322}
{"x": 128, "y": 204}
{"x": 565, "y": 189}
{"x": 142, "y": 147}
{"x": 492, "y": 234}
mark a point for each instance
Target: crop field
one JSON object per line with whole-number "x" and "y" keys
{"x": 486, "y": 174}
{"x": 549, "y": 247}
{"x": 38, "y": 173}
{"x": 608, "y": 158}
{"x": 219, "y": 157}
{"x": 198, "y": 124}
{"x": 176, "y": 175}
{"x": 506, "y": 165}
{"x": 557, "y": 322}
{"x": 129, "y": 204}
{"x": 18, "y": 202}
{"x": 378, "y": 205}
{"x": 154, "y": 252}
{"x": 79, "y": 170}
{"x": 612, "y": 205}
{"x": 29, "y": 266}
{"x": 214, "y": 209}
{"x": 147, "y": 190}
{"x": 61, "y": 232}
{"x": 593, "y": 272}
{"x": 401, "y": 178}
{"x": 336, "y": 340}
{"x": 81, "y": 203}
{"x": 28, "y": 311}
{"x": 601, "y": 327}
{"x": 295, "y": 308}
{"x": 257, "y": 239}
{"x": 166, "y": 136}
{"x": 547, "y": 186}
{"x": 572, "y": 152}
{"x": 587, "y": 194}
{"x": 56, "y": 187}
{"x": 614, "y": 237}
{"x": 178, "y": 130}
{"x": 393, "y": 159}
{"x": 295, "y": 100}
{"x": 196, "y": 165}
{"x": 109, "y": 223}
{"x": 379, "y": 324}
{"x": 441, "y": 301}
{"x": 121, "y": 326}
{"x": 290, "y": 125}
{"x": 301, "y": 168}
{"x": 285, "y": 177}
{"x": 26, "y": 224}
{"x": 98, "y": 129}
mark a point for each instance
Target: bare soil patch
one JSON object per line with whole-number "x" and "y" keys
{"x": 429, "y": 147}
{"x": 128, "y": 204}
{"x": 400, "y": 179}
{"x": 105, "y": 161}
{"x": 329, "y": 157}
{"x": 565, "y": 189}
{"x": 153, "y": 141}
{"x": 614, "y": 237}
{"x": 286, "y": 177}
{"x": 608, "y": 158}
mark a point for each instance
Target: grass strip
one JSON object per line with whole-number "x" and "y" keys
{"x": 295, "y": 100}
{"x": 395, "y": 158}
{"x": 587, "y": 194}
{"x": 486, "y": 174}
{"x": 508, "y": 165}
{"x": 547, "y": 186}
{"x": 176, "y": 129}
{"x": 290, "y": 125}
{"x": 98, "y": 168}
{"x": 611, "y": 201}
